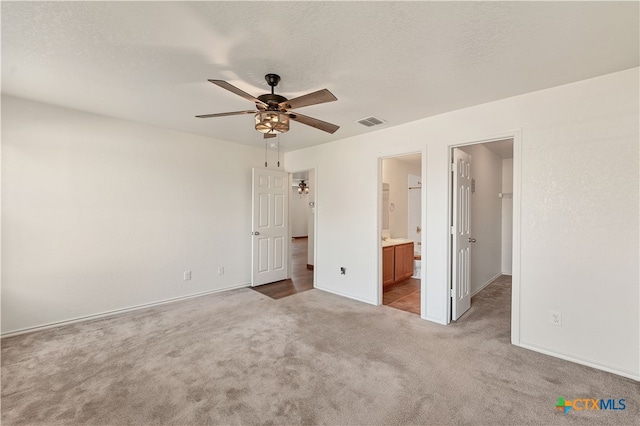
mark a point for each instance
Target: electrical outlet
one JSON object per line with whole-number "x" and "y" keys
{"x": 555, "y": 318}
{"x": 220, "y": 270}
{"x": 187, "y": 275}
{"x": 343, "y": 270}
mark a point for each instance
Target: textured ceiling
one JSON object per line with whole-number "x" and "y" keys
{"x": 401, "y": 61}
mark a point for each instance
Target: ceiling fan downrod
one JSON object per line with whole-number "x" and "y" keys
{"x": 272, "y": 80}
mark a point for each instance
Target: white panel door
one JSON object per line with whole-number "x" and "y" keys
{"x": 461, "y": 251}
{"x": 270, "y": 225}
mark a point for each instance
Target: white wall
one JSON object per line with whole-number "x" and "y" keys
{"x": 396, "y": 173}
{"x": 579, "y": 233}
{"x": 486, "y": 216}
{"x": 507, "y": 216}
{"x": 100, "y": 214}
{"x": 299, "y": 204}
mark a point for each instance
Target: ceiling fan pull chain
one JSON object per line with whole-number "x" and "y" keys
{"x": 265, "y": 153}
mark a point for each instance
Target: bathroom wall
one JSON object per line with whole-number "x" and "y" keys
{"x": 414, "y": 213}
{"x": 396, "y": 173}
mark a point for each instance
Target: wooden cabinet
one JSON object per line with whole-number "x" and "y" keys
{"x": 388, "y": 263}
{"x": 403, "y": 262}
{"x": 397, "y": 263}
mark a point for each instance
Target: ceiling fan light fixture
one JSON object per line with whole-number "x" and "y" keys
{"x": 272, "y": 121}
{"x": 303, "y": 188}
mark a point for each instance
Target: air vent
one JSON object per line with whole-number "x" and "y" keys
{"x": 371, "y": 121}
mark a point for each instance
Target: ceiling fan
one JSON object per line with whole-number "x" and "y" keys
{"x": 273, "y": 115}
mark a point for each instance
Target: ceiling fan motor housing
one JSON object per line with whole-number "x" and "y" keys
{"x": 272, "y": 100}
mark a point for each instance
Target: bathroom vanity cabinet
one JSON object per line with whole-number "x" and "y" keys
{"x": 397, "y": 263}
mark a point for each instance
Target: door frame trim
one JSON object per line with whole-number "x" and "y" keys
{"x": 516, "y": 135}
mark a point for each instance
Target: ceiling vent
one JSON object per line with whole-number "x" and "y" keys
{"x": 371, "y": 121}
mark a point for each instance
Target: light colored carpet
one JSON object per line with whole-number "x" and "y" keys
{"x": 313, "y": 358}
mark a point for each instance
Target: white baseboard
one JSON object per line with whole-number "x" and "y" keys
{"x": 486, "y": 284}
{"x": 116, "y": 312}
{"x": 598, "y": 366}
{"x": 348, "y": 296}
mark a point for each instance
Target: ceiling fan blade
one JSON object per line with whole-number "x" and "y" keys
{"x": 224, "y": 114}
{"x": 313, "y": 122}
{"x": 319, "y": 97}
{"x": 234, "y": 89}
{"x": 269, "y": 135}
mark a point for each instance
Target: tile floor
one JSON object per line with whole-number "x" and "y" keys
{"x": 404, "y": 295}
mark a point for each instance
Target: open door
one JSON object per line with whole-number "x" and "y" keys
{"x": 270, "y": 207}
{"x": 461, "y": 244}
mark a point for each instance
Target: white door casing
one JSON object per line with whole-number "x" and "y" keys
{"x": 270, "y": 234}
{"x": 461, "y": 244}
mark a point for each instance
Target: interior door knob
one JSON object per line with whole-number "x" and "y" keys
{"x": 472, "y": 240}
{"x": 255, "y": 233}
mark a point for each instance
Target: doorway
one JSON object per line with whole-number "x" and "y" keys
{"x": 301, "y": 217}
{"x": 401, "y": 232}
{"x": 482, "y": 243}
{"x": 302, "y": 225}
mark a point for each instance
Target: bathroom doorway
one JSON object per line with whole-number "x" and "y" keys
{"x": 401, "y": 232}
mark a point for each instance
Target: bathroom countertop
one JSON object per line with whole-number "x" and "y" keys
{"x": 395, "y": 242}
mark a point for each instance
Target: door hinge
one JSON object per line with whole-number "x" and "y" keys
{"x": 451, "y": 293}
{"x": 452, "y": 230}
{"x": 453, "y": 167}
